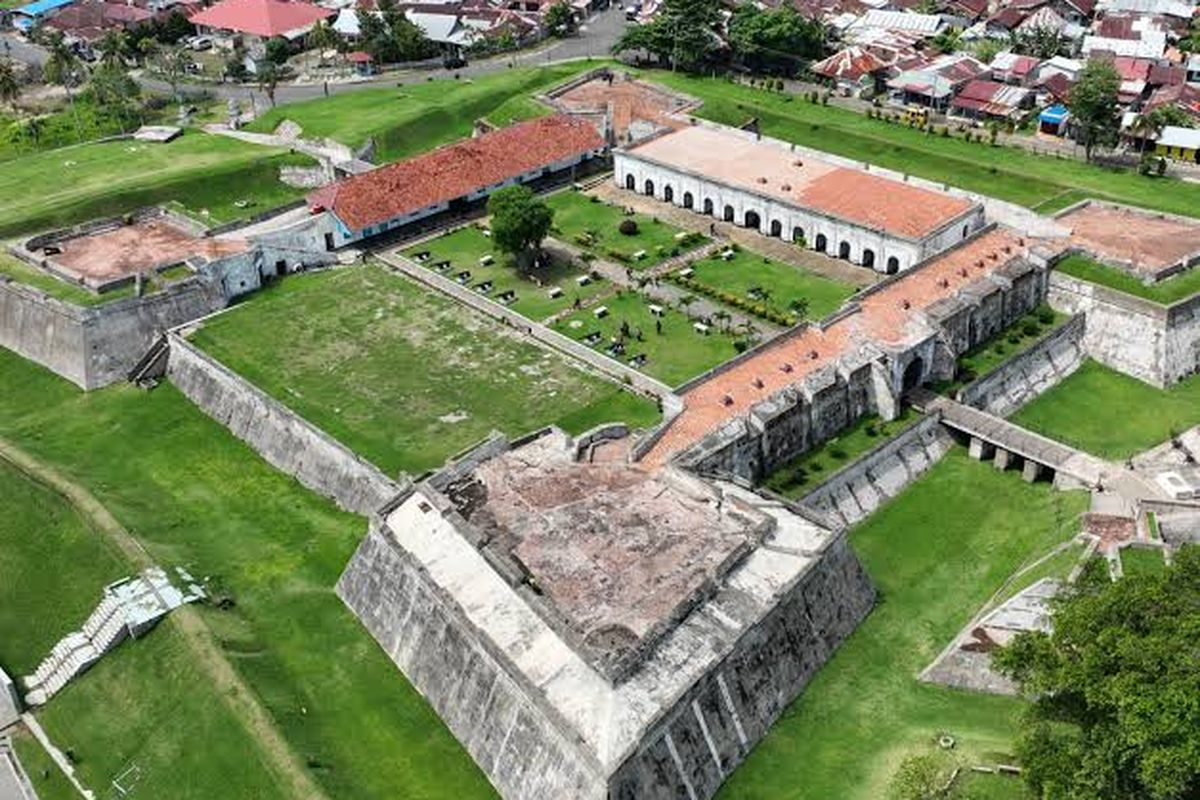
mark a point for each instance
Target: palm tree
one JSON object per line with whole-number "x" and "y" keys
{"x": 64, "y": 69}
{"x": 113, "y": 47}
{"x": 10, "y": 87}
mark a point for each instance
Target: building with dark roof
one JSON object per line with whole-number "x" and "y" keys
{"x": 454, "y": 176}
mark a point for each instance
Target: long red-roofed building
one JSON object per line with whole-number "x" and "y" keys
{"x": 399, "y": 194}
{"x": 262, "y": 19}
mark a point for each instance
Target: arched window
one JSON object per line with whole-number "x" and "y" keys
{"x": 630, "y": 183}
{"x": 752, "y": 220}
{"x": 844, "y": 250}
{"x": 776, "y": 228}
{"x": 893, "y": 265}
{"x": 668, "y": 194}
{"x": 822, "y": 242}
{"x": 798, "y": 235}
{"x": 687, "y": 200}
{"x": 868, "y": 259}
{"x": 649, "y": 188}
{"x": 729, "y": 213}
{"x": 708, "y": 206}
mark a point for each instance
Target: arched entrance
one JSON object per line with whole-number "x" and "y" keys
{"x": 844, "y": 250}
{"x": 729, "y": 213}
{"x": 913, "y": 373}
{"x": 708, "y": 206}
{"x": 868, "y": 258}
{"x": 668, "y": 194}
{"x": 752, "y": 220}
{"x": 776, "y": 228}
{"x": 893, "y": 265}
{"x": 821, "y": 242}
{"x": 649, "y": 188}
{"x": 687, "y": 199}
{"x": 630, "y": 183}
{"x": 797, "y": 234}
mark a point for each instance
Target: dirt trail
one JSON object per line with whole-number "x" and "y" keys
{"x": 293, "y": 778}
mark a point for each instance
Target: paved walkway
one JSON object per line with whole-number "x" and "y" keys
{"x": 778, "y": 249}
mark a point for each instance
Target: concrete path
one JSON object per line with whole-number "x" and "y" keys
{"x": 318, "y": 150}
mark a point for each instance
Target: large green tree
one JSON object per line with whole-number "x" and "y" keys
{"x": 1095, "y": 107}
{"x": 779, "y": 40}
{"x": 10, "y": 85}
{"x": 685, "y": 34}
{"x": 520, "y": 221}
{"x": 1115, "y": 688}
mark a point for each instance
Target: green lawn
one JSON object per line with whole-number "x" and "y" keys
{"x": 1004, "y": 172}
{"x": 207, "y": 173}
{"x": 401, "y": 375}
{"x": 805, "y": 472}
{"x": 41, "y": 601}
{"x": 42, "y": 771}
{"x": 194, "y": 495}
{"x": 675, "y": 355}
{"x": 1012, "y": 341}
{"x": 464, "y": 247}
{"x": 1175, "y": 288}
{"x": 935, "y": 553}
{"x": 1141, "y": 561}
{"x": 420, "y": 115}
{"x": 760, "y": 285}
{"x": 581, "y": 221}
{"x": 67, "y": 292}
{"x": 1112, "y": 415}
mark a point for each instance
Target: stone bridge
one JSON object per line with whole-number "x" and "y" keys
{"x": 1007, "y": 445}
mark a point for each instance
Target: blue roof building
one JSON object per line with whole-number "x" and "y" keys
{"x": 25, "y": 16}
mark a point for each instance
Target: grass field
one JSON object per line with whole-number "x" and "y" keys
{"x": 1004, "y": 172}
{"x": 1165, "y": 292}
{"x": 418, "y": 116}
{"x": 757, "y": 280}
{"x": 1141, "y": 561}
{"x": 592, "y": 225}
{"x": 194, "y": 495}
{"x": 464, "y": 247}
{"x": 51, "y": 783}
{"x": 67, "y": 292}
{"x": 1112, "y": 415}
{"x": 673, "y": 356}
{"x": 400, "y": 375}
{"x": 804, "y": 473}
{"x": 935, "y": 553}
{"x": 207, "y": 173}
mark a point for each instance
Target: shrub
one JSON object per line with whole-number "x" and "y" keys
{"x": 1045, "y": 316}
{"x": 628, "y": 227}
{"x": 1031, "y": 329}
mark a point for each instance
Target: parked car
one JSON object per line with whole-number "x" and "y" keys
{"x": 200, "y": 43}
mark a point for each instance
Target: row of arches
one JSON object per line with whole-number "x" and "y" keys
{"x": 752, "y": 219}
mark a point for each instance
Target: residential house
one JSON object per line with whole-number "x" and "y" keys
{"x": 1013, "y": 68}
{"x": 250, "y": 23}
{"x": 853, "y": 69}
{"x": 1179, "y": 144}
{"x": 935, "y": 83}
{"x": 26, "y": 16}
{"x": 987, "y": 100}
{"x": 89, "y": 21}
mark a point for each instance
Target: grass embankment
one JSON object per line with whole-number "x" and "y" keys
{"x": 585, "y": 221}
{"x": 418, "y": 116}
{"x": 1171, "y": 290}
{"x": 67, "y": 292}
{"x": 936, "y": 553}
{"x": 675, "y": 351}
{"x": 804, "y": 473}
{"x": 194, "y": 495}
{"x": 1008, "y": 173}
{"x": 1112, "y": 415}
{"x": 206, "y": 173}
{"x": 403, "y": 376}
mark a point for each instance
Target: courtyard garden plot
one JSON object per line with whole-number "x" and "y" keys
{"x": 193, "y": 495}
{"x": 1112, "y": 415}
{"x": 936, "y": 554}
{"x": 1168, "y": 291}
{"x": 226, "y": 178}
{"x": 1007, "y": 173}
{"x": 402, "y": 376}
{"x": 584, "y": 221}
{"x": 468, "y": 257}
{"x": 645, "y": 334}
{"x": 780, "y": 293}
{"x": 1010, "y": 342}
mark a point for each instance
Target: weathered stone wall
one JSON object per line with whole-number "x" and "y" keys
{"x": 1155, "y": 343}
{"x": 42, "y": 329}
{"x": 712, "y": 728}
{"x": 1022, "y": 378}
{"x": 280, "y": 436}
{"x": 493, "y": 713}
{"x": 856, "y": 490}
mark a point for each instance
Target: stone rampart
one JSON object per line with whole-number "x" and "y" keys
{"x": 1025, "y": 376}
{"x": 1155, "y": 343}
{"x": 856, "y": 490}
{"x": 283, "y": 438}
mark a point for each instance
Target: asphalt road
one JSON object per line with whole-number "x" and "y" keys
{"x": 15, "y": 48}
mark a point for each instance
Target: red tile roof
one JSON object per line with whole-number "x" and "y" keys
{"x": 260, "y": 17}
{"x": 455, "y": 170}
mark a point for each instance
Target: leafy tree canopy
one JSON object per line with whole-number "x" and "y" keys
{"x": 1116, "y": 688}
{"x": 560, "y": 19}
{"x": 520, "y": 221}
{"x": 686, "y": 34}
{"x": 775, "y": 40}
{"x": 1095, "y": 107}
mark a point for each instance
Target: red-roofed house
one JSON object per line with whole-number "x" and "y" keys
{"x": 89, "y": 21}
{"x": 454, "y": 176}
{"x": 983, "y": 99}
{"x": 254, "y": 21}
{"x": 853, "y": 69}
